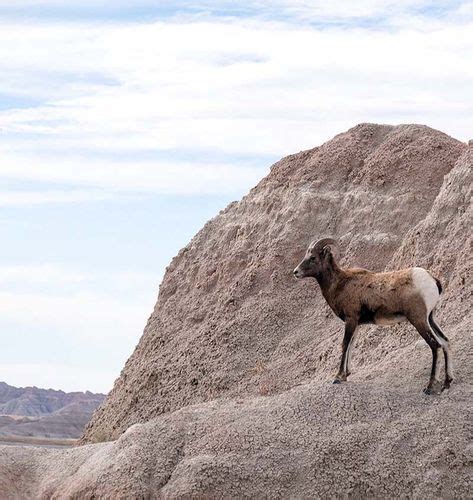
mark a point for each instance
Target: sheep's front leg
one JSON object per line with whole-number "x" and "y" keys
{"x": 350, "y": 327}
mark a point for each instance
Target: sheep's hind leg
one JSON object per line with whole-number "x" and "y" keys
{"x": 422, "y": 326}
{"x": 444, "y": 342}
{"x": 343, "y": 372}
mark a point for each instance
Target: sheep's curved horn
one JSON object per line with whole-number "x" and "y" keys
{"x": 318, "y": 245}
{"x": 325, "y": 242}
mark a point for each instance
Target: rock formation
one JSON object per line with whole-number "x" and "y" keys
{"x": 230, "y": 318}
{"x": 31, "y": 411}
{"x": 229, "y": 388}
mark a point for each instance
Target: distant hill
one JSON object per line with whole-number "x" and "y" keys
{"x": 30, "y": 411}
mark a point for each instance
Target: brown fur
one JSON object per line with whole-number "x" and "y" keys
{"x": 382, "y": 294}
{"x": 358, "y": 296}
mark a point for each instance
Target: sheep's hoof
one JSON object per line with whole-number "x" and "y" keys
{"x": 446, "y": 385}
{"x": 337, "y": 381}
{"x": 433, "y": 388}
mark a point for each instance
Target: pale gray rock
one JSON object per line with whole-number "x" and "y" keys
{"x": 228, "y": 393}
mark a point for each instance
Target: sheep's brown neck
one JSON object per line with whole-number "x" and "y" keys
{"x": 328, "y": 279}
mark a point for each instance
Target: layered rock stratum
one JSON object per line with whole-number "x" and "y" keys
{"x": 35, "y": 412}
{"x": 228, "y": 392}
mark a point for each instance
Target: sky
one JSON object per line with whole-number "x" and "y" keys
{"x": 125, "y": 125}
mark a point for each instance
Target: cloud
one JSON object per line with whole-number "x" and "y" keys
{"x": 29, "y": 198}
{"x": 241, "y": 87}
{"x": 295, "y": 10}
{"x": 118, "y": 176}
{"x": 81, "y": 342}
{"x": 95, "y": 315}
{"x": 56, "y": 282}
{"x": 84, "y": 324}
{"x": 77, "y": 306}
{"x": 58, "y": 376}
{"x": 51, "y": 274}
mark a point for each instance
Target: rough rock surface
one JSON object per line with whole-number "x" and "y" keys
{"x": 230, "y": 317}
{"x": 234, "y": 329}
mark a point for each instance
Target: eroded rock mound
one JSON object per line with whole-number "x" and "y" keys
{"x": 314, "y": 441}
{"x": 230, "y": 318}
{"x": 231, "y": 322}
{"x": 34, "y": 412}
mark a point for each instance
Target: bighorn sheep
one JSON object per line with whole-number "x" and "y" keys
{"x": 358, "y": 296}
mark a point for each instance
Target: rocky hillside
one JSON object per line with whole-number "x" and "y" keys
{"x": 232, "y": 375}
{"x": 48, "y": 413}
{"x": 230, "y": 318}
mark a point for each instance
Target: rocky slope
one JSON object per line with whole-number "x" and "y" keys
{"x": 233, "y": 328}
{"x": 48, "y": 413}
{"x": 230, "y": 318}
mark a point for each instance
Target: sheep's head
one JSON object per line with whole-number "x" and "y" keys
{"x": 318, "y": 259}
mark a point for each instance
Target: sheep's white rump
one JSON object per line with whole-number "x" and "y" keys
{"x": 427, "y": 286}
